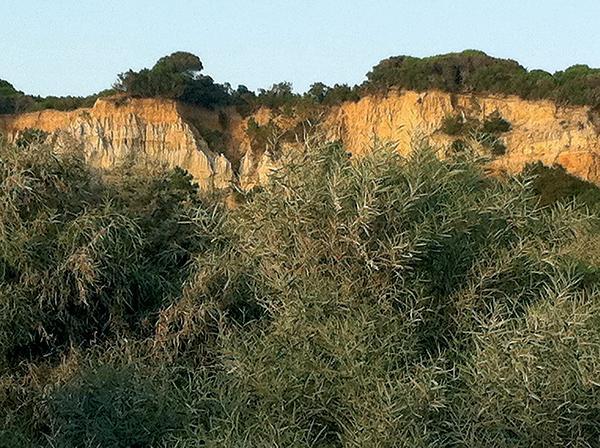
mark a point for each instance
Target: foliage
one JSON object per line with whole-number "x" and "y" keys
{"x": 495, "y": 124}
{"x": 10, "y": 98}
{"x": 476, "y": 72}
{"x": 378, "y": 275}
{"x": 31, "y": 136}
{"x": 532, "y": 382}
{"x": 84, "y": 256}
{"x": 214, "y": 138}
{"x": 553, "y": 184}
{"x": 486, "y": 134}
{"x": 176, "y": 76}
{"x": 459, "y": 124}
{"x": 67, "y": 103}
{"x": 380, "y": 301}
{"x": 113, "y": 406}
{"x": 331, "y": 96}
{"x": 14, "y": 101}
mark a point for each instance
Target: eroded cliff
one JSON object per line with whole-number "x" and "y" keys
{"x": 217, "y": 148}
{"x": 118, "y": 128}
{"x": 540, "y": 130}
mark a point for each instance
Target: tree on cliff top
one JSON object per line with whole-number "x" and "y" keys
{"x": 11, "y": 99}
{"x": 180, "y": 62}
{"x": 475, "y": 71}
{"x": 178, "y": 77}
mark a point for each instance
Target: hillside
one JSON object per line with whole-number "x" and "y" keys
{"x": 217, "y": 147}
{"x": 412, "y": 262}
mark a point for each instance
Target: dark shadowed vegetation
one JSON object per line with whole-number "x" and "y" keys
{"x": 179, "y": 76}
{"x": 554, "y": 184}
{"x": 487, "y": 133}
{"x": 379, "y": 301}
{"x": 474, "y": 71}
{"x": 14, "y": 101}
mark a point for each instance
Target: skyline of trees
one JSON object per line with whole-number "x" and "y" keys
{"x": 179, "y": 76}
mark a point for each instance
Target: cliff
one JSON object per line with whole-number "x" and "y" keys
{"x": 118, "y": 128}
{"x": 540, "y": 130}
{"x": 215, "y": 146}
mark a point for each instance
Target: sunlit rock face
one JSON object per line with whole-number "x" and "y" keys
{"x": 541, "y": 130}
{"x": 116, "y": 129}
{"x": 164, "y": 130}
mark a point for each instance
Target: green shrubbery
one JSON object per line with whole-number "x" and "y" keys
{"x": 113, "y": 406}
{"x": 31, "y": 136}
{"x": 178, "y": 76}
{"x": 377, "y": 301}
{"x": 81, "y": 255}
{"x": 553, "y": 184}
{"x": 474, "y": 71}
{"x": 14, "y": 101}
{"x": 486, "y": 133}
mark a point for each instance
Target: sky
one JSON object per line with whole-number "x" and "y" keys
{"x": 77, "y": 47}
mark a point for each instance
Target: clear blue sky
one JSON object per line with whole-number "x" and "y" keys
{"x": 78, "y": 46}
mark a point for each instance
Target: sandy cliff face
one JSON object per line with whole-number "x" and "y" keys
{"x": 115, "y": 129}
{"x": 541, "y": 130}
{"x": 173, "y": 133}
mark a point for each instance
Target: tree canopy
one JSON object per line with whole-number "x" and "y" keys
{"x": 178, "y": 77}
{"x": 474, "y": 71}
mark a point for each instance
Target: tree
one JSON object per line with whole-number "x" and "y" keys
{"x": 318, "y": 91}
{"x": 9, "y": 97}
{"x": 180, "y": 62}
{"x": 178, "y": 77}
{"x": 169, "y": 77}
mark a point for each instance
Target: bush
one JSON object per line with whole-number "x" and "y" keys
{"x": 176, "y": 76}
{"x": 495, "y": 124}
{"x": 83, "y": 255}
{"x": 554, "y": 184}
{"x": 486, "y": 133}
{"x": 31, "y": 136}
{"x": 113, "y": 406}
{"x": 473, "y": 71}
{"x": 376, "y": 301}
{"x": 532, "y": 380}
{"x": 378, "y": 275}
{"x": 453, "y": 125}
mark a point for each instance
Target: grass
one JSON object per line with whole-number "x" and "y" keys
{"x": 380, "y": 301}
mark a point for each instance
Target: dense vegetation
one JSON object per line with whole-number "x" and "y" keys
{"x": 467, "y": 129}
{"x": 14, "y": 101}
{"x": 475, "y": 72}
{"x": 553, "y": 184}
{"x": 377, "y": 302}
{"x": 178, "y": 76}
{"x": 467, "y": 72}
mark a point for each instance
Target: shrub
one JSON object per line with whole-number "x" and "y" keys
{"x": 473, "y": 71}
{"x": 176, "y": 76}
{"x": 486, "y": 133}
{"x": 376, "y": 275}
{"x": 458, "y": 146}
{"x": 83, "y": 256}
{"x": 532, "y": 380}
{"x": 113, "y": 406}
{"x": 553, "y": 184}
{"x": 453, "y": 125}
{"x": 31, "y": 136}
{"x": 495, "y": 124}
{"x": 215, "y": 139}
{"x": 377, "y": 301}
